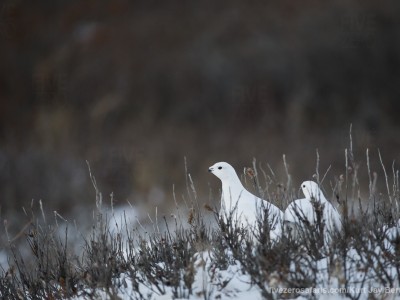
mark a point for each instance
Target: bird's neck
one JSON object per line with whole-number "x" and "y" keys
{"x": 231, "y": 191}
{"x": 318, "y": 197}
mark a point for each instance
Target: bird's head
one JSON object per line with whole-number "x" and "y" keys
{"x": 311, "y": 190}
{"x": 223, "y": 171}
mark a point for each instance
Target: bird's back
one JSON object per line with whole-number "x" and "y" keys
{"x": 298, "y": 210}
{"x": 303, "y": 210}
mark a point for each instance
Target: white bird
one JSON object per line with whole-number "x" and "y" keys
{"x": 246, "y": 207}
{"x": 303, "y": 211}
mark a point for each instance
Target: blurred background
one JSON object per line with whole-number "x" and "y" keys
{"x": 133, "y": 87}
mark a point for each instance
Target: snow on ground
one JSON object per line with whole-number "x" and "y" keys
{"x": 211, "y": 282}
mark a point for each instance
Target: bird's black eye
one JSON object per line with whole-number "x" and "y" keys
{"x": 219, "y": 168}
{"x": 304, "y": 185}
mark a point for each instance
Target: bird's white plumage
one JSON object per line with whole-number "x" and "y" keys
{"x": 301, "y": 211}
{"x": 246, "y": 207}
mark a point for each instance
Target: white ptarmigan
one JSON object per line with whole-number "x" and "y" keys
{"x": 303, "y": 210}
{"x": 246, "y": 207}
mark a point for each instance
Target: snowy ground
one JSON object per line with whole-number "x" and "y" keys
{"x": 211, "y": 282}
{"x": 364, "y": 270}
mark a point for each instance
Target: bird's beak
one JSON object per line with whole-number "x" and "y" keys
{"x": 210, "y": 169}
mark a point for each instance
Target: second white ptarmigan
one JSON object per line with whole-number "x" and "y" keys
{"x": 245, "y": 207}
{"x": 303, "y": 211}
